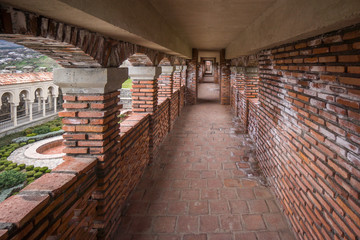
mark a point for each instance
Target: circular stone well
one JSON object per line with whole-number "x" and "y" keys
{"x": 44, "y": 153}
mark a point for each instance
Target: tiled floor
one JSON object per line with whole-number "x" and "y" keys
{"x": 194, "y": 189}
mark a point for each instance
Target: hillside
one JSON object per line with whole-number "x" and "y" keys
{"x": 19, "y": 56}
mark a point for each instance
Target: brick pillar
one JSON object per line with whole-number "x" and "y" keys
{"x": 92, "y": 130}
{"x": 165, "y": 83}
{"x": 144, "y": 91}
{"x": 191, "y": 80}
{"x": 183, "y": 75}
{"x": 225, "y": 85}
{"x": 233, "y": 90}
{"x": 251, "y": 82}
{"x": 177, "y": 78}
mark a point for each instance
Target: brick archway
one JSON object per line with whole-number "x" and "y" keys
{"x": 70, "y": 46}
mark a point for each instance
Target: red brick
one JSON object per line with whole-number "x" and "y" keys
{"x": 67, "y": 114}
{"x": 89, "y": 128}
{"x": 75, "y": 105}
{"x": 69, "y": 98}
{"x": 339, "y": 69}
{"x": 351, "y": 35}
{"x": 19, "y": 209}
{"x": 349, "y": 58}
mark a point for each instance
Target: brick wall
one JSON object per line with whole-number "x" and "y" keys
{"x": 309, "y": 132}
{"x": 181, "y": 99}
{"x": 225, "y": 85}
{"x": 84, "y": 197}
{"x": 57, "y": 205}
{"x": 160, "y": 122}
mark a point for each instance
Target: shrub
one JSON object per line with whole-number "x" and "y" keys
{"x": 17, "y": 169}
{"x": 2, "y": 162}
{"x": 42, "y": 129}
{"x": 31, "y": 134}
{"x": 54, "y": 129}
{"x": 30, "y": 173}
{"x": 30, "y": 179}
{"x": 31, "y": 141}
{"x": 22, "y": 166}
{"x": 48, "y": 171}
{"x": 29, "y": 168}
{"x": 8, "y": 168}
{"x": 38, "y": 174}
{"x": 7, "y": 163}
{"x": 28, "y": 131}
{"x": 2, "y": 167}
{"x": 43, "y": 169}
{"x": 22, "y": 144}
{"x": 36, "y": 169}
{"x": 14, "y": 165}
{"x": 10, "y": 179}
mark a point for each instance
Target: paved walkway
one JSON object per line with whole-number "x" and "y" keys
{"x": 204, "y": 185}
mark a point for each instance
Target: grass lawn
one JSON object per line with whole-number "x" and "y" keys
{"x": 127, "y": 84}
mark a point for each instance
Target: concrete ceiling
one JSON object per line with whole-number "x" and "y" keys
{"x": 242, "y": 27}
{"x": 210, "y": 25}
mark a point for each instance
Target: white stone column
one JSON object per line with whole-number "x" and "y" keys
{"x": 55, "y": 104}
{"x": 30, "y": 111}
{"x": 26, "y": 107}
{"x": 39, "y": 103}
{"x": 44, "y": 106}
{"x": 11, "y": 111}
{"x": 15, "y": 115}
{"x": 50, "y": 101}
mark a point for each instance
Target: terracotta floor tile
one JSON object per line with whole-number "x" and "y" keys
{"x": 209, "y": 223}
{"x": 164, "y": 224}
{"x": 188, "y": 224}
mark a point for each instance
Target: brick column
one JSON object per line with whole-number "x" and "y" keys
{"x": 191, "y": 80}
{"x": 183, "y": 75}
{"x": 251, "y": 82}
{"x": 225, "y": 85}
{"x": 165, "y": 83}
{"x": 144, "y": 91}
{"x": 91, "y": 125}
{"x": 233, "y": 90}
{"x": 177, "y": 78}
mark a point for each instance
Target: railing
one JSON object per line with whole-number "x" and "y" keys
{"x": 49, "y": 110}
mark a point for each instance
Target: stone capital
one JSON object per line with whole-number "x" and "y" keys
{"x": 240, "y": 70}
{"x": 252, "y": 70}
{"x": 90, "y": 80}
{"x": 167, "y": 69}
{"x": 144, "y": 73}
{"x": 233, "y": 69}
{"x": 178, "y": 68}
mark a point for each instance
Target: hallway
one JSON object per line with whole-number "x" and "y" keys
{"x": 194, "y": 189}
